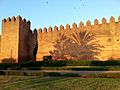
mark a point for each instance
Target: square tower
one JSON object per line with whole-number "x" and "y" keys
{"x": 15, "y": 39}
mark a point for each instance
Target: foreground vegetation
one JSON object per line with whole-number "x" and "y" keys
{"x": 64, "y": 65}
{"x": 13, "y": 79}
{"x": 58, "y": 83}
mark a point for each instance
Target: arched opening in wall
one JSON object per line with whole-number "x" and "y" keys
{"x": 35, "y": 51}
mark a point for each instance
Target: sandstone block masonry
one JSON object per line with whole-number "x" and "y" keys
{"x": 19, "y": 42}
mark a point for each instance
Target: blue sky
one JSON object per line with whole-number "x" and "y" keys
{"x": 47, "y": 13}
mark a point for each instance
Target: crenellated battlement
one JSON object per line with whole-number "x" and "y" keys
{"x": 15, "y": 19}
{"x": 81, "y": 25}
{"x": 33, "y": 32}
{"x": 87, "y": 26}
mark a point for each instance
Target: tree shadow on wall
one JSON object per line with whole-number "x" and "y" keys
{"x": 80, "y": 46}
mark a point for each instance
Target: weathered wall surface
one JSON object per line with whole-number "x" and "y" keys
{"x": 33, "y": 45}
{"x": 24, "y": 42}
{"x": 107, "y": 33}
{"x": 17, "y": 40}
{"x": 0, "y": 47}
{"x": 20, "y": 43}
{"x": 9, "y": 38}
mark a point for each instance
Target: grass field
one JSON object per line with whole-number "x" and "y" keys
{"x": 57, "y": 83}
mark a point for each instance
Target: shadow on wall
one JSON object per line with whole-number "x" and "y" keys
{"x": 8, "y": 60}
{"x": 80, "y": 46}
{"x": 35, "y": 51}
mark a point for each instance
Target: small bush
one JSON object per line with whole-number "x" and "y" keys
{"x": 8, "y": 60}
{"x": 47, "y": 58}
